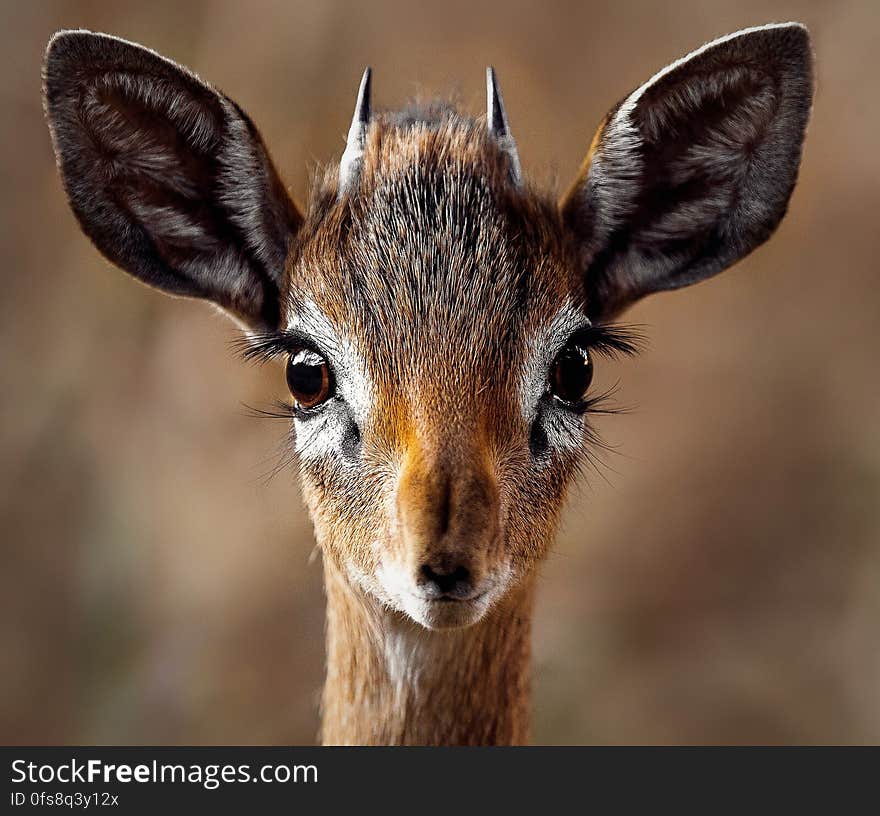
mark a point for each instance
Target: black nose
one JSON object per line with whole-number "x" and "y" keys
{"x": 451, "y": 584}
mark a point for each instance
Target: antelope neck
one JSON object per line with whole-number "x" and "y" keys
{"x": 392, "y": 682}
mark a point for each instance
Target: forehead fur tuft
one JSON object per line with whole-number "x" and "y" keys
{"x": 433, "y": 136}
{"x": 430, "y": 171}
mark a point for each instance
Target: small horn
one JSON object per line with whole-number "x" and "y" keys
{"x": 352, "y": 158}
{"x": 497, "y": 124}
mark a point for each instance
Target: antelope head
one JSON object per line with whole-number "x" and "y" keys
{"x": 438, "y": 318}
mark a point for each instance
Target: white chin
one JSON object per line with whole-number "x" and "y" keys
{"x": 393, "y": 587}
{"x": 444, "y": 614}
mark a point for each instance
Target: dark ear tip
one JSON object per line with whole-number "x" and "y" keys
{"x": 787, "y": 46}
{"x": 63, "y": 42}
{"x": 797, "y": 33}
{"x": 794, "y": 35}
{"x": 76, "y": 45}
{"x": 802, "y": 36}
{"x": 795, "y": 41}
{"x": 799, "y": 28}
{"x": 64, "y": 48}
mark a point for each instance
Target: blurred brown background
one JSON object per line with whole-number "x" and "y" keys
{"x": 723, "y": 584}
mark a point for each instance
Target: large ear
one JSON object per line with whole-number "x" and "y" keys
{"x": 167, "y": 176}
{"x": 693, "y": 170}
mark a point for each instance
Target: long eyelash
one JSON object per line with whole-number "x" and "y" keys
{"x": 265, "y": 347}
{"x": 594, "y": 448}
{"x": 278, "y": 409}
{"x": 260, "y": 348}
{"x": 285, "y": 454}
{"x": 602, "y": 403}
{"x": 614, "y": 339}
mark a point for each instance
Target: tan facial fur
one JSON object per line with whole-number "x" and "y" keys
{"x": 445, "y": 296}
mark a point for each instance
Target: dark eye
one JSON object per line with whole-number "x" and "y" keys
{"x": 309, "y": 378}
{"x": 571, "y": 374}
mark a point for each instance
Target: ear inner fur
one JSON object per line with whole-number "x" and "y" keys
{"x": 167, "y": 176}
{"x": 694, "y": 169}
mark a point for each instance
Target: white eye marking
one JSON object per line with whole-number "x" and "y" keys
{"x": 323, "y": 435}
{"x": 319, "y": 436}
{"x": 563, "y": 429}
{"x": 308, "y": 358}
{"x": 545, "y": 345}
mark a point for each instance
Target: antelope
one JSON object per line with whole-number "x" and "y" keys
{"x": 438, "y": 319}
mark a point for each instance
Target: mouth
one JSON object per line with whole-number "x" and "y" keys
{"x": 439, "y": 610}
{"x": 445, "y": 598}
{"x": 447, "y": 612}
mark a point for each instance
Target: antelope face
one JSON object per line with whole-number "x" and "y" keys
{"x": 439, "y": 321}
{"x": 441, "y": 356}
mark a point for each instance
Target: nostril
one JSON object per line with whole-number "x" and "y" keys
{"x": 455, "y": 583}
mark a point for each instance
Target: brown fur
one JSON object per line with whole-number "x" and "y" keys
{"x": 444, "y": 422}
